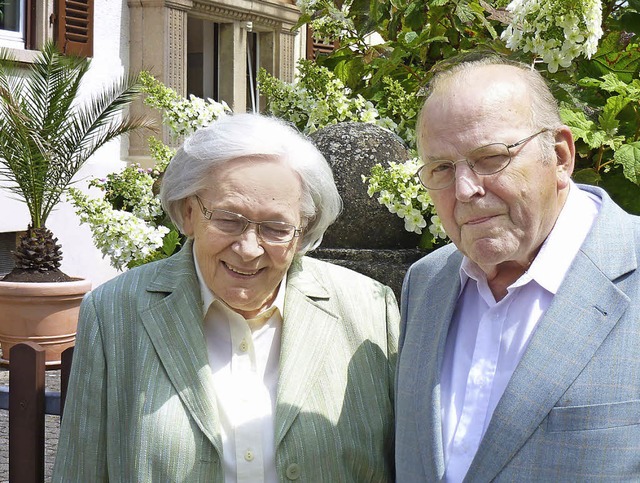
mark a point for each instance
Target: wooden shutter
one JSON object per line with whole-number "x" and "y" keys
{"x": 314, "y": 47}
{"x": 74, "y": 27}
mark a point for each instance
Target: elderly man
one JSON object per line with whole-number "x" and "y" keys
{"x": 238, "y": 359}
{"x": 520, "y": 342}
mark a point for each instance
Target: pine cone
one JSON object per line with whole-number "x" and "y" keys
{"x": 38, "y": 250}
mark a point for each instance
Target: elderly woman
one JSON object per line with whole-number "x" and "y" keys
{"x": 237, "y": 359}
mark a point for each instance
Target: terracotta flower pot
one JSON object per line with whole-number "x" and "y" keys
{"x": 44, "y": 313}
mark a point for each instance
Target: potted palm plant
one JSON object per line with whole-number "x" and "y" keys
{"x": 47, "y": 133}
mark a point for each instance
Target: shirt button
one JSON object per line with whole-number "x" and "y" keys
{"x": 293, "y": 471}
{"x": 248, "y": 455}
{"x": 244, "y": 346}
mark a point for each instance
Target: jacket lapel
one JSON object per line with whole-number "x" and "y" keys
{"x": 174, "y": 325}
{"x": 431, "y": 303}
{"x": 307, "y": 333}
{"x": 583, "y": 312}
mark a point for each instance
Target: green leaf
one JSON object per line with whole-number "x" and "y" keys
{"x": 583, "y": 128}
{"x": 586, "y": 176}
{"x": 170, "y": 242}
{"x": 612, "y": 108}
{"x": 612, "y": 83}
{"x": 630, "y": 21}
{"x": 623, "y": 191}
{"x": 409, "y": 37}
{"x": 628, "y": 156}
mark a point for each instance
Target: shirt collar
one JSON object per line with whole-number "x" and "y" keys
{"x": 208, "y": 297}
{"x": 557, "y": 252}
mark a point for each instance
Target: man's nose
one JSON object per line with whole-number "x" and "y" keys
{"x": 467, "y": 182}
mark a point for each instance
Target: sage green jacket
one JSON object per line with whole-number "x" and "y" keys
{"x": 141, "y": 404}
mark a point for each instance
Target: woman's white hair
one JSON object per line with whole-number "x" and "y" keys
{"x": 253, "y": 136}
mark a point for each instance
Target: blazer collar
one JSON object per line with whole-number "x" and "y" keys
{"x": 174, "y": 324}
{"x": 430, "y": 300}
{"x": 308, "y": 329}
{"x": 566, "y": 339}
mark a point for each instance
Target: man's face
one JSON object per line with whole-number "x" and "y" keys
{"x": 500, "y": 220}
{"x": 243, "y": 270}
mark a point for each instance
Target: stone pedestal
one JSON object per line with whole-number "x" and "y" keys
{"x": 366, "y": 237}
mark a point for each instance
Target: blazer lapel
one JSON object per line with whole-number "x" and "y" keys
{"x": 431, "y": 303}
{"x": 174, "y": 325}
{"x": 307, "y": 332}
{"x": 583, "y": 312}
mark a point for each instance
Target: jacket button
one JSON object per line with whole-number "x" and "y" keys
{"x": 293, "y": 471}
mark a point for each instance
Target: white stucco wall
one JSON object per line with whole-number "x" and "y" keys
{"x": 111, "y": 59}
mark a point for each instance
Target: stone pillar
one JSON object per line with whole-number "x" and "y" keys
{"x": 233, "y": 65}
{"x": 287, "y": 66}
{"x": 158, "y": 30}
{"x": 366, "y": 237}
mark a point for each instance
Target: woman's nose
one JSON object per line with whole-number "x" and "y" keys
{"x": 249, "y": 244}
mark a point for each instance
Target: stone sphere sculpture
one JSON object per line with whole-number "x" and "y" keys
{"x": 352, "y": 149}
{"x": 366, "y": 237}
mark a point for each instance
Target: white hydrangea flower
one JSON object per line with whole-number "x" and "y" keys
{"x": 556, "y": 31}
{"x": 401, "y": 192}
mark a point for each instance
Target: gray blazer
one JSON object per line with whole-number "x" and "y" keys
{"x": 141, "y": 403}
{"x": 571, "y": 411}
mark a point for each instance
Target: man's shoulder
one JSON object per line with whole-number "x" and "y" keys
{"x": 440, "y": 258}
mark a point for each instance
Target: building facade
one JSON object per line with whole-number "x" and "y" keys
{"x": 202, "y": 47}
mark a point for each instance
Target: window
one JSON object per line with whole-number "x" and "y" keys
{"x": 202, "y": 58}
{"x": 8, "y": 242}
{"x": 12, "y": 23}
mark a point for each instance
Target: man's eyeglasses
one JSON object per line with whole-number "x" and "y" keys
{"x": 234, "y": 224}
{"x": 485, "y": 160}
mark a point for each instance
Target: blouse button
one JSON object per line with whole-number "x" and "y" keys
{"x": 293, "y": 471}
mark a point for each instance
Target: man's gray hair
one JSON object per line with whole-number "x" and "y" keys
{"x": 257, "y": 137}
{"x": 544, "y": 107}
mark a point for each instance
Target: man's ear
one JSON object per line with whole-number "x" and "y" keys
{"x": 187, "y": 216}
{"x": 565, "y": 156}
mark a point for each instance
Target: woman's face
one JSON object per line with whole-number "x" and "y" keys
{"x": 243, "y": 270}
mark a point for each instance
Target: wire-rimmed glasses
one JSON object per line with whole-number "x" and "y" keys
{"x": 235, "y": 224}
{"x": 485, "y": 160}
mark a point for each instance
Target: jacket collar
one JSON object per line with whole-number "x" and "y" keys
{"x": 175, "y": 326}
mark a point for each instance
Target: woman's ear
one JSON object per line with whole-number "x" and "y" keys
{"x": 188, "y": 216}
{"x": 565, "y": 151}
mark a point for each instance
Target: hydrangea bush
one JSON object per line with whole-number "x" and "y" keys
{"x": 128, "y": 223}
{"x": 554, "y": 31}
{"x": 317, "y": 99}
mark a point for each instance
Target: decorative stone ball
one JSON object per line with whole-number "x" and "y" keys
{"x": 352, "y": 149}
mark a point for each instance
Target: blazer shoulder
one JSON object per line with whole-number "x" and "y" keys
{"x": 438, "y": 260}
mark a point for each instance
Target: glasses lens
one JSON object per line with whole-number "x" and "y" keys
{"x": 276, "y": 232}
{"x": 437, "y": 174}
{"x": 489, "y": 159}
{"x": 227, "y": 222}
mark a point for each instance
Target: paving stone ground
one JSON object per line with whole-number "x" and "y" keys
{"x": 52, "y": 426}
